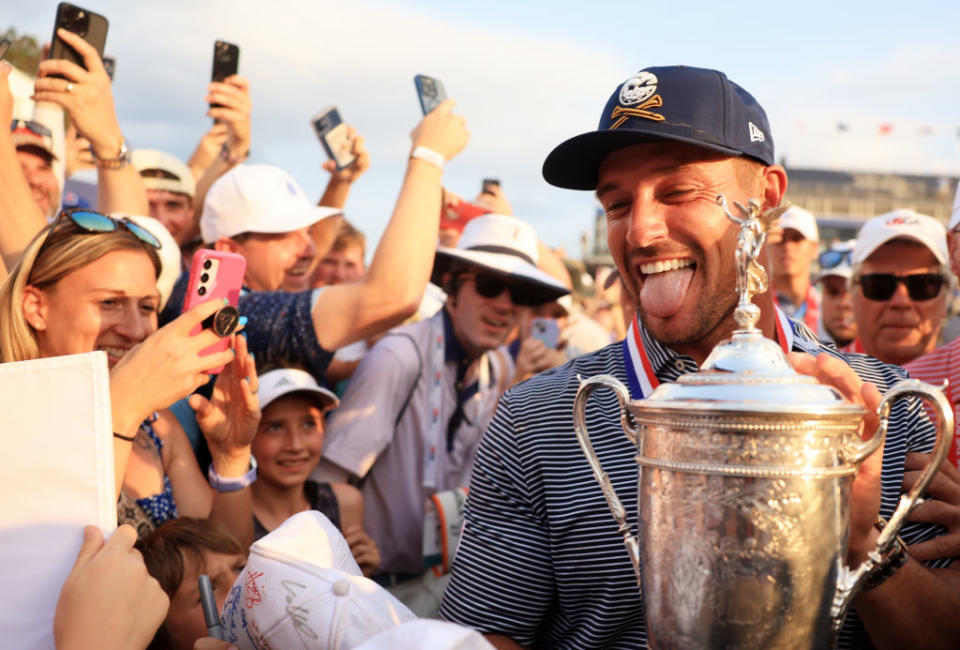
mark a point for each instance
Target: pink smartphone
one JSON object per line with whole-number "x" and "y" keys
{"x": 214, "y": 275}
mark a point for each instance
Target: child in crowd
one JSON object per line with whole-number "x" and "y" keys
{"x": 176, "y": 553}
{"x": 288, "y": 445}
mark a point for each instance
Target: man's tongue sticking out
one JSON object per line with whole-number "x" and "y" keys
{"x": 662, "y": 293}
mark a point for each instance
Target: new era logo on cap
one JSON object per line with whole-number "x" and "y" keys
{"x": 756, "y": 135}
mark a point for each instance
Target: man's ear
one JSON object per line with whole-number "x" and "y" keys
{"x": 953, "y": 242}
{"x": 775, "y": 185}
{"x": 35, "y": 307}
{"x": 227, "y": 245}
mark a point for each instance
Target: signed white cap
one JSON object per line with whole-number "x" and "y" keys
{"x": 299, "y": 590}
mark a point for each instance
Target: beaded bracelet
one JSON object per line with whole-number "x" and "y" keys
{"x": 890, "y": 564}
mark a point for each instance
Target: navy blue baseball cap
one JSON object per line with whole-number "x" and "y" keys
{"x": 676, "y": 103}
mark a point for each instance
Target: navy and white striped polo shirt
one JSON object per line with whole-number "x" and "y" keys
{"x": 540, "y": 559}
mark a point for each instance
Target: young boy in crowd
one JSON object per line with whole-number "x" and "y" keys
{"x": 288, "y": 445}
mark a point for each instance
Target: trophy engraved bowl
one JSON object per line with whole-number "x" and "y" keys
{"x": 745, "y": 473}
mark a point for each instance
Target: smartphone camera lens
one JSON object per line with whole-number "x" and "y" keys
{"x": 429, "y": 88}
{"x": 201, "y": 291}
{"x": 205, "y": 277}
{"x": 207, "y": 264}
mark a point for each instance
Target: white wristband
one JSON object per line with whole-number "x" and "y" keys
{"x": 429, "y": 155}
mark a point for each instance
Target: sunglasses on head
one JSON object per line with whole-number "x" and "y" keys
{"x": 834, "y": 258}
{"x": 920, "y": 286}
{"x": 33, "y": 127}
{"x": 94, "y": 222}
{"x": 490, "y": 285}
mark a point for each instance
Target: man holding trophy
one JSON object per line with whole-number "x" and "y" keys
{"x": 540, "y": 563}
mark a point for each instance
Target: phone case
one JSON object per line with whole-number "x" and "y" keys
{"x": 214, "y": 275}
{"x": 430, "y": 91}
{"x": 546, "y": 330}
{"x": 334, "y": 137}
{"x": 92, "y": 27}
{"x": 226, "y": 62}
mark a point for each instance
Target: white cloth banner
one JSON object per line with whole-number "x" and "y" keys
{"x": 56, "y": 476}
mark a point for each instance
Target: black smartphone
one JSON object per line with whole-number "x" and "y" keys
{"x": 90, "y": 26}
{"x": 334, "y": 137}
{"x": 4, "y": 46}
{"x": 430, "y": 91}
{"x": 226, "y": 61}
{"x": 109, "y": 64}
{"x": 488, "y": 183}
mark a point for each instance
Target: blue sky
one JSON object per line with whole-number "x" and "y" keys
{"x": 527, "y": 75}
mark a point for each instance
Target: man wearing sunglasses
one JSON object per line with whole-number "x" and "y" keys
{"x": 34, "y": 143}
{"x": 413, "y": 413}
{"x": 900, "y": 286}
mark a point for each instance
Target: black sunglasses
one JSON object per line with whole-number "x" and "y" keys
{"x": 34, "y": 127}
{"x": 833, "y": 258}
{"x": 920, "y": 286}
{"x": 490, "y": 285}
{"x": 94, "y": 222}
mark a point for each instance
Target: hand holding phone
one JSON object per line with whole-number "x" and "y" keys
{"x": 214, "y": 274}
{"x": 545, "y": 330}
{"x": 335, "y": 137}
{"x": 430, "y": 92}
{"x": 90, "y": 26}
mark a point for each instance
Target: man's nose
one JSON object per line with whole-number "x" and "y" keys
{"x": 647, "y": 226}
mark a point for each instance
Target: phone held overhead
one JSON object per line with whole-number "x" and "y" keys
{"x": 334, "y": 136}
{"x": 226, "y": 62}
{"x": 90, "y": 26}
{"x": 430, "y": 91}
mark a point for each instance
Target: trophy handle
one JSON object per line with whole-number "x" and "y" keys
{"x": 851, "y": 579}
{"x": 583, "y": 437}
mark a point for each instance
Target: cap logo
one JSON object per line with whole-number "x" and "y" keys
{"x": 903, "y": 221}
{"x": 291, "y": 188}
{"x": 638, "y": 91}
{"x": 756, "y": 135}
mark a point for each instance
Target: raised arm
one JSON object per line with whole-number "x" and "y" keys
{"x": 20, "y": 216}
{"x": 87, "y": 96}
{"x": 401, "y": 266}
{"x": 324, "y": 232}
{"x": 233, "y": 95}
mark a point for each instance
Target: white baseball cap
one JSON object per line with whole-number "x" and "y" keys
{"x": 257, "y": 198}
{"x": 169, "y": 253}
{"x": 278, "y": 383}
{"x": 802, "y": 221}
{"x": 955, "y": 215}
{"x": 502, "y": 244}
{"x": 291, "y": 596}
{"x": 152, "y": 159}
{"x": 901, "y": 224}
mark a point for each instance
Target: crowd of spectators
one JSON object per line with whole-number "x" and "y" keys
{"x": 358, "y": 386}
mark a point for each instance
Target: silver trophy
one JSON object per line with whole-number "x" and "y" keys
{"x": 745, "y": 473}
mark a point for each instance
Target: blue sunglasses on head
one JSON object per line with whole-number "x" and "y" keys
{"x": 94, "y": 222}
